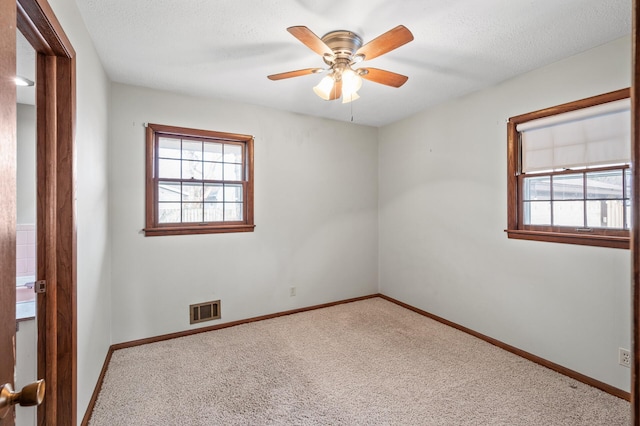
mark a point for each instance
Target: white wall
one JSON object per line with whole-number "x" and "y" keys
{"x": 93, "y": 239}
{"x": 26, "y": 338}
{"x": 26, "y": 175}
{"x": 315, "y": 213}
{"x": 442, "y": 184}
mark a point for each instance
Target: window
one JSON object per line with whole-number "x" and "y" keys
{"x": 198, "y": 181}
{"x": 569, "y": 179}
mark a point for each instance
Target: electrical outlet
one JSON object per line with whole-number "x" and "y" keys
{"x": 292, "y": 291}
{"x": 624, "y": 357}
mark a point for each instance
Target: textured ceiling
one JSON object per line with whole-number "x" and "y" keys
{"x": 226, "y": 48}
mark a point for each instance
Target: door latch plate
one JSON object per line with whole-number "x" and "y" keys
{"x": 40, "y": 286}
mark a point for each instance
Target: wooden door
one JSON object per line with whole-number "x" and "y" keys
{"x": 7, "y": 195}
{"x": 55, "y": 106}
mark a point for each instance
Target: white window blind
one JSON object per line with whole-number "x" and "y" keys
{"x": 594, "y": 136}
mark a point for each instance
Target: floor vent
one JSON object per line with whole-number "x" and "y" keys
{"x": 206, "y": 311}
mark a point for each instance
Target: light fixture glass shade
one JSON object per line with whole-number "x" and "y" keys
{"x": 349, "y": 98}
{"x": 323, "y": 89}
{"x": 351, "y": 83}
{"x": 22, "y": 81}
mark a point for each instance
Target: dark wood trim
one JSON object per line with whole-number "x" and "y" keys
{"x": 210, "y": 134}
{"x": 191, "y": 230}
{"x": 66, "y": 242}
{"x": 616, "y": 234}
{"x": 56, "y": 109}
{"x": 42, "y": 29}
{"x": 150, "y": 165}
{"x": 555, "y": 237}
{"x": 249, "y": 190}
{"x": 572, "y": 106}
{"x": 635, "y": 212}
{"x": 94, "y": 397}
{"x": 169, "y": 336}
{"x": 531, "y": 357}
{"x": 512, "y": 178}
{"x": 8, "y": 158}
{"x": 31, "y": 33}
{"x": 46, "y": 229}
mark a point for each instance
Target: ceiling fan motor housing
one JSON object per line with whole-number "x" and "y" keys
{"x": 344, "y": 44}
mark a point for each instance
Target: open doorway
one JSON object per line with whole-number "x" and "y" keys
{"x": 55, "y": 203}
{"x": 26, "y": 219}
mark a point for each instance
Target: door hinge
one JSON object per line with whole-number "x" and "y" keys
{"x": 40, "y": 286}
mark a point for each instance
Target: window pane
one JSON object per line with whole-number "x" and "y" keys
{"x": 213, "y": 212}
{"x": 191, "y": 192}
{"x": 192, "y": 212}
{"x": 232, "y": 172}
{"x": 192, "y": 150}
{"x": 212, "y": 171}
{"x": 537, "y": 188}
{"x": 604, "y": 184}
{"x": 192, "y": 170}
{"x": 605, "y": 214}
{"x": 232, "y": 212}
{"x": 169, "y": 191}
{"x": 169, "y": 212}
{"x": 233, "y": 193}
{"x": 568, "y": 213}
{"x": 169, "y": 169}
{"x": 212, "y": 151}
{"x": 169, "y": 148}
{"x": 232, "y": 153}
{"x": 568, "y": 187}
{"x": 537, "y": 212}
{"x": 627, "y": 204}
{"x": 213, "y": 192}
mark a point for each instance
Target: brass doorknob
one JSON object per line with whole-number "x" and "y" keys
{"x": 32, "y": 394}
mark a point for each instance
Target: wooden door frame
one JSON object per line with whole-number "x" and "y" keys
{"x": 56, "y": 229}
{"x": 635, "y": 212}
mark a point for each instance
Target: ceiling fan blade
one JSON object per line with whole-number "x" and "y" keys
{"x": 336, "y": 91}
{"x": 383, "y": 77}
{"x": 309, "y": 39}
{"x": 386, "y": 42}
{"x": 296, "y": 73}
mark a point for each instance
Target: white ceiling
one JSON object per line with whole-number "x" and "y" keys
{"x": 226, "y": 48}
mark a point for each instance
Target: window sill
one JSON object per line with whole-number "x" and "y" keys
{"x": 197, "y": 229}
{"x": 565, "y": 238}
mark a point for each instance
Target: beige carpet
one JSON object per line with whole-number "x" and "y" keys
{"x": 363, "y": 363}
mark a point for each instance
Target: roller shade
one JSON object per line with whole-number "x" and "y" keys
{"x": 594, "y": 136}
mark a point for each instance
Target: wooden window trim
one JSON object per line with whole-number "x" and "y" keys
{"x": 515, "y": 228}
{"x": 153, "y": 228}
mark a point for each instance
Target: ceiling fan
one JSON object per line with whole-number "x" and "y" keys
{"x": 340, "y": 50}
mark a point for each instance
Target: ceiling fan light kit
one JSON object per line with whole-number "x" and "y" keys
{"x": 22, "y": 81}
{"x": 340, "y": 50}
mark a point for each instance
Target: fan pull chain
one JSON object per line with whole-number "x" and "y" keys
{"x": 351, "y": 106}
